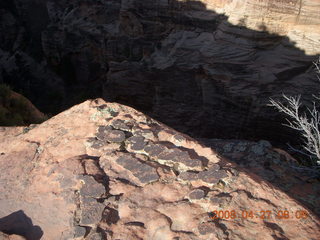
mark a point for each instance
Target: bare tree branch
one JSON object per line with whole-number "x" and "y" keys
{"x": 307, "y": 123}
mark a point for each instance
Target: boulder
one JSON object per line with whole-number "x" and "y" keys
{"x": 103, "y": 170}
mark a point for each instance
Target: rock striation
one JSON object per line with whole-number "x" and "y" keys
{"x": 106, "y": 171}
{"x": 206, "y": 68}
{"x": 299, "y": 20}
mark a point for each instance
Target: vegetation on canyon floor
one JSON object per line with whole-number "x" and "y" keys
{"x": 16, "y": 110}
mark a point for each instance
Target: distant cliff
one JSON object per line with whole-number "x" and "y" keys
{"x": 297, "y": 19}
{"x": 207, "y": 68}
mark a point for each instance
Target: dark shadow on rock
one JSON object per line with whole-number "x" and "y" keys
{"x": 273, "y": 166}
{"x": 20, "y": 224}
{"x": 118, "y": 65}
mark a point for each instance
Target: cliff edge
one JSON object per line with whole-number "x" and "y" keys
{"x": 106, "y": 171}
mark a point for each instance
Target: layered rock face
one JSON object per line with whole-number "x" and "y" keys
{"x": 106, "y": 171}
{"x": 299, "y": 20}
{"x": 207, "y": 68}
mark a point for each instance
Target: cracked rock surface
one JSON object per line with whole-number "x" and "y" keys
{"x": 106, "y": 171}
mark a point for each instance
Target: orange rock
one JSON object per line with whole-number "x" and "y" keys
{"x": 78, "y": 174}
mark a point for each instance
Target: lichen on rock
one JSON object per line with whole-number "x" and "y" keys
{"x": 102, "y": 180}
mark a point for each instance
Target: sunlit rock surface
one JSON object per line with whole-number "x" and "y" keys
{"x": 106, "y": 171}
{"x": 299, "y": 20}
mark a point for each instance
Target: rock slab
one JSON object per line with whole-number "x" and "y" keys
{"x": 106, "y": 171}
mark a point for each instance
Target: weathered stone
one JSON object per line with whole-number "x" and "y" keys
{"x": 180, "y": 159}
{"x": 154, "y": 150}
{"x": 97, "y": 144}
{"x": 212, "y": 176}
{"x": 91, "y": 188}
{"x": 103, "y": 129}
{"x": 221, "y": 198}
{"x": 95, "y": 236}
{"x": 111, "y": 216}
{"x": 136, "y": 143}
{"x": 205, "y": 228}
{"x": 188, "y": 176}
{"x": 141, "y": 199}
{"x": 214, "y": 167}
{"x": 146, "y": 133}
{"x": 79, "y": 231}
{"x": 143, "y": 172}
{"x": 207, "y": 178}
{"x": 197, "y": 194}
{"x": 121, "y": 125}
{"x": 91, "y": 211}
{"x": 111, "y": 135}
{"x": 260, "y": 147}
{"x": 92, "y": 168}
{"x": 178, "y": 139}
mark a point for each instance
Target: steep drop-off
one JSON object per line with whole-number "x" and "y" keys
{"x": 206, "y": 68}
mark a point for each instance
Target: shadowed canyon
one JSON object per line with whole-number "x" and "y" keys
{"x": 177, "y": 128}
{"x": 205, "y": 68}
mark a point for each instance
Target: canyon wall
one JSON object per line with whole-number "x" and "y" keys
{"x": 297, "y": 19}
{"x": 206, "y": 68}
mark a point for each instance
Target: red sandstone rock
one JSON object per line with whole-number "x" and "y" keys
{"x": 105, "y": 171}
